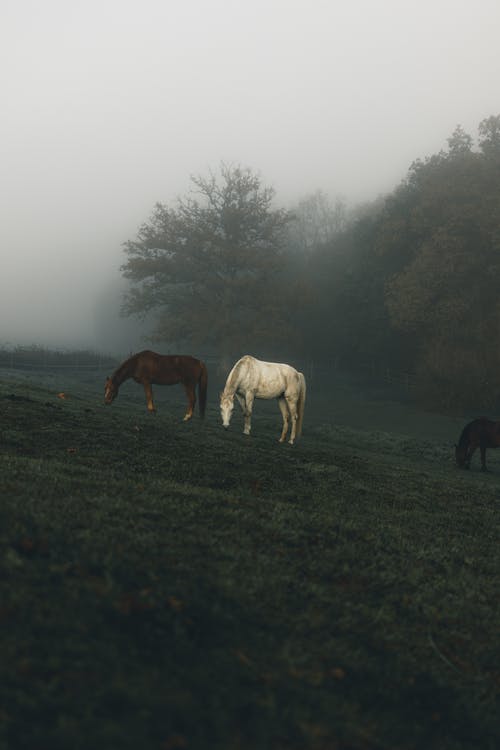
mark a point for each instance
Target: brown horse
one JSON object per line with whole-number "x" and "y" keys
{"x": 150, "y": 368}
{"x": 481, "y": 433}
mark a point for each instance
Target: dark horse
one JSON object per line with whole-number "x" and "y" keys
{"x": 162, "y": 369}
{"x": 481, "y": 433}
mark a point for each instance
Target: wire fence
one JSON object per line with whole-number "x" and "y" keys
{"x": 34, "y": 360}
{"x": 314, "y": 370}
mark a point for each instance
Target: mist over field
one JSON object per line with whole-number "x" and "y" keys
{"x": 312, "y": 182}
{"x": 110, "y": 107}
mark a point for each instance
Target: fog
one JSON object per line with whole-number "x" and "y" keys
{"x": 109, "y": 106}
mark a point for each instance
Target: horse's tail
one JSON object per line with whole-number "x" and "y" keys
{"x": 301, "y": 402}
{"x": 202, "y": 388}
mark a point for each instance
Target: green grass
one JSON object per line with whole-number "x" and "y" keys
{"x": 168, "y": 585}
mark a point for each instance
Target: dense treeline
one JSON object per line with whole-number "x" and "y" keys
{"x": 415, "y": 285}
{"x": 408, "y": 282}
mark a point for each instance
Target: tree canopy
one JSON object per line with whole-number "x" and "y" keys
{"x": 428, "y": 268}
{"x": 446, "y": 293}
{"x": 209, "y": 267}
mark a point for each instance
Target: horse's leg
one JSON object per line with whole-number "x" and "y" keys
{"x": 482, "y": 448}
{"x": 246, "y": 404}
{"x": 469, "y": 453}
{"x": 149, "y": 397}
{"x": 292, "y": 406}
{"x": 191, "y": 395}
{"x": 242, "y": 403}
{"x": 249, "y": 397}
{"x": 284, "y": 413}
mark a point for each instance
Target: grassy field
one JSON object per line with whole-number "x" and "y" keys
{"x": 168, "y": 585}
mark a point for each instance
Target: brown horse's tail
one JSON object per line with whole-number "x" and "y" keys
{"x": 301, "y": 402}
{"x": 202, "y": 388}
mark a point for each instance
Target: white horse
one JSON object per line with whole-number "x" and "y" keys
{"x": 250, "y": 378}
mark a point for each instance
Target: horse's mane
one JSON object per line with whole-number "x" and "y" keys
{"x": 233, "y": 375}
{"x": 463, "y": 440}
{"x": 124, "y": 366}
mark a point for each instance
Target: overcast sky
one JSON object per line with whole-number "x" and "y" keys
{"x": 108, "y": 106}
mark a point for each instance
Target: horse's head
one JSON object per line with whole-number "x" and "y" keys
{"x": 460, "y": 456}
{"x": 226, "y": 408}
{"x": 110, "y": 391}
